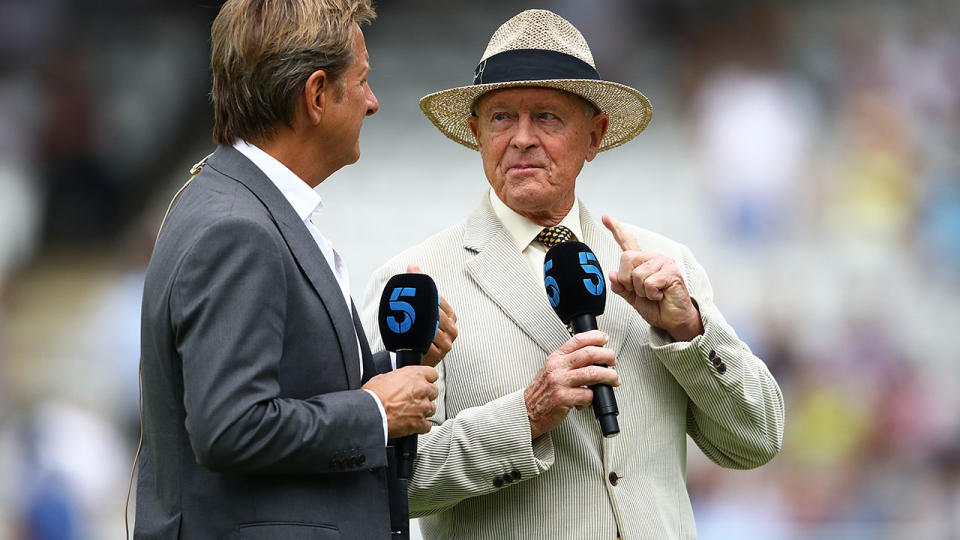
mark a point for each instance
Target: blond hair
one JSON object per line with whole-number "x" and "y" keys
{"x": 263, "y": 52}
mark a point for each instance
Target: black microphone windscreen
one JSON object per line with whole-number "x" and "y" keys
{"x": 409, "y": 313}
{"x": 574, "y": 281}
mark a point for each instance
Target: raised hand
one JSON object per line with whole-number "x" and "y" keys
{"x": 653, "y": 285}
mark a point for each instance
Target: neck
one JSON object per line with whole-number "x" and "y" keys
{"x": 295, "y": 151}
{"x": 545, "y": 219}
{"x": 548, "y": 217}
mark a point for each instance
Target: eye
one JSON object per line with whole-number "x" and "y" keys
{"x": 548, "y": 116}
{"x": 499, "y": 117}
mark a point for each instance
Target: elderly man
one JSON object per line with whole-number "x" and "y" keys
{"x": 263, "y": 414}
{"x": 516, "y": 451}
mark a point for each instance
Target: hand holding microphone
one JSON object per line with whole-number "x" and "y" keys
{"x": 559, "y": 385}
{"x": 407, "y": 396}
{"x": 576, "y": 291}
{"x": 409, "y": 321}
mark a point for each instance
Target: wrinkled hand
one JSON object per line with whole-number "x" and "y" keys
{"x": 653, "y": 285}
{"x": 446, "y": 333}
{"x": 407, "y": 396}
{"x": 559, "y": 385}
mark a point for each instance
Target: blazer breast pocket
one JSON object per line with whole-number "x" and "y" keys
{"x": 288, "y": 530}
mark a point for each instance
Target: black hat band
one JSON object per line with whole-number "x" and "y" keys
{"x": 532, "y": 65}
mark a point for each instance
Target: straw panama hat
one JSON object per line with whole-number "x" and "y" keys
{"x": 542, "y": 49}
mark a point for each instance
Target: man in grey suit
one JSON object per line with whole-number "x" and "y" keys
{"x": 517, "y": 452}
{"x": 263, "y": 415}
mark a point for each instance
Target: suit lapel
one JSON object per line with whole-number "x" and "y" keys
{"x": 306, "y": 253}
{"x": 504, "y": 275}
{"x": 617, "y": 315}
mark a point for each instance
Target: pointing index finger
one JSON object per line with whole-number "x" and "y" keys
{"x": 620, "y": 234}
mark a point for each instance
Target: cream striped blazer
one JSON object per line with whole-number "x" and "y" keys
{"x": 479, "y": 476}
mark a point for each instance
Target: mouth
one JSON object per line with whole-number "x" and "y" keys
{"x": 523, "y": 168}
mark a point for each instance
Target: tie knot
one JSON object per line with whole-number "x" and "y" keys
{"x": 551, "y": 236}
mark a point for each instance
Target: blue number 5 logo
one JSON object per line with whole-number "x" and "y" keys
{"x": 409, "y": 315}
{"x": 553, "y": 289}
{"x": 595, "y": 289}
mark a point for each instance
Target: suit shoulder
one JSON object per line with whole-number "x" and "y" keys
{"x": 213, "y": 214}
{"x": 213, "y": 198}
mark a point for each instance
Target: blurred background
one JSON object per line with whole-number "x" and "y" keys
{"x": 806, "y": 151}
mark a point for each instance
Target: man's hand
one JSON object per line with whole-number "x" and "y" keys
{"x": 559, "y": 385}
{"x": 652, "y": 284}
{"x": 407, "y": 396}
{"x": 446, "y": 333}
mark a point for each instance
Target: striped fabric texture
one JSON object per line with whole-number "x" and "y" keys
{"x": 478, "y": 475}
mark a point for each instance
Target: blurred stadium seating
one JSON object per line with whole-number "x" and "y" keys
{"x": 808, "y": 152}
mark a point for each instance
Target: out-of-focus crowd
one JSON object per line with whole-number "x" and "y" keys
{"x": 808, "y": 152}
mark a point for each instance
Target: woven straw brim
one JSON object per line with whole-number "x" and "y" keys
{"x": 629, "y": 110}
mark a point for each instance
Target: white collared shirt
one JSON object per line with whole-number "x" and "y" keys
{"x": 523, "y": 231}
{"x": 306, "y": 204}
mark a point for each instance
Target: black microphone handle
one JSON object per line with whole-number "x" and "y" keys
{"x": 406, "y": 446}
{"x": 604, "y": 402}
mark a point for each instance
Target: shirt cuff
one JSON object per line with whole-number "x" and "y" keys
{"x": 383, "y": 414}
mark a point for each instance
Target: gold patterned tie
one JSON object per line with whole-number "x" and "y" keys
{"x": 551, "y": 236}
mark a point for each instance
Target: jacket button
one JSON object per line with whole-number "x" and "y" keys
{"x": 515, "y": 475}
{"x": 498, "y": 482}
{"x": 614, "y": 478}
{"x": 361, "y": 459}
{"x": 712, "y": 355}
{"x": 507, "y": 478}
{"x": 721, "y": 368}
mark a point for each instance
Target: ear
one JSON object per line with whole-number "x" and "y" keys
{"x": 315, "y": 95}
{"x": 598, "y": 128}
{"x": 474, "y": 122}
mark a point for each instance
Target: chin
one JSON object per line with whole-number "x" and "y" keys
{"x": 356, "y": 157}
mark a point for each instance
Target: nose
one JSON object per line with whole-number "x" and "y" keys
{"x": 372, "y": 104}
{"x": 524, "y": 137}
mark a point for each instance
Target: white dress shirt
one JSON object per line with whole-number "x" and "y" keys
{"x": 307, "y": 203}
{"x": 523, "y": 231}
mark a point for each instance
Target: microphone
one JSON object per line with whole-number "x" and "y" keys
{"x": 577, "y": 292}
{"x": 408, "y": 320}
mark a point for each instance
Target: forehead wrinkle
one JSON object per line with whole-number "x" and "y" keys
{"x": 545, "y": 98}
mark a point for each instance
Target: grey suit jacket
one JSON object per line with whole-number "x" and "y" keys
{"x": 253, "y": 422}
{"x": 478, "y": 474}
